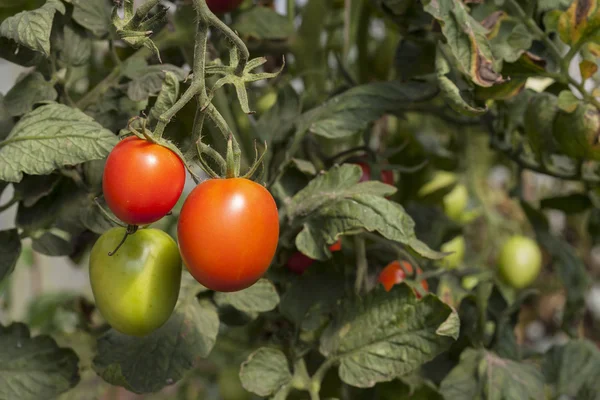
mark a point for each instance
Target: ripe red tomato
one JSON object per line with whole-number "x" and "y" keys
{"x": 142, "y": 181}
{"x": 396, "y": 271}
{"x": 298, "y": 262}
{"x": 386, "y": 176}
{"x": 223, "y": 6}
{"x": 337, "y": 246}
{"x": 228, "y": 231}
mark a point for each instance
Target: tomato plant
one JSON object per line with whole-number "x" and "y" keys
{"x": 238, "y": 224}
{"x": 142, "y": 181}
{"x": 174, "y": 176}
{"x": 135, "y": 288}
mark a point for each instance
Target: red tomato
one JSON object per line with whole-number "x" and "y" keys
{"x": 223, "y": 6}
{"x": 386, "y": 176}
{"x": 396, "y": 271}
{"x": 228, "y": 231}
{"x": 142, "y": 181}
{"x": 298, "y": 262}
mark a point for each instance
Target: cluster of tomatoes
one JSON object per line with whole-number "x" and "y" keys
{"x": 227, "y": 234}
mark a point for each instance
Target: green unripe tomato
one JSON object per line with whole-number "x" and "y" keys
{"x": 469, "y": 282}
{"x": 266, "y": 101}
{"x": 455, "y": 202}
{"x": 137, "y": 287}
{"x": 457, "y": 247}
{"x": 520, "y": 261}
{"x": 440, "y": 180}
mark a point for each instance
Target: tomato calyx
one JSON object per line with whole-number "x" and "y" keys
{"x": 131, "y": 229}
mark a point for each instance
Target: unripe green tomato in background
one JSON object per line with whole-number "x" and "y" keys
{"x": 266, "y": 101}
{"x": 137, "y": 287}
{"x": 455, "y": 202}
{"x": 520, "y": 261}
{"x": 457, "y": 247}
{"x": 230, "y": 385}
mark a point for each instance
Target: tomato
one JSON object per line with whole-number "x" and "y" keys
{"x": 142, "y": 181}
{"x": 396, "y": 271}
{"x": 223, "y": 6}
{"x": 386, "y": 176}
{"x": 298, "y": 262}
{"x": 456, "y": 246}
{"x": 266, "y": 101}
{"x": 455, "y": 202}
{"x": 137, "y": 287}
{"x": 520, "y": 261}
{"x": 228, "y": 231}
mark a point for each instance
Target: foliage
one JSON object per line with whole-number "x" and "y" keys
{"x": 427, "y": 90}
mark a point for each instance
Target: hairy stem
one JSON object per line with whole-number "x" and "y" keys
{"x": 361, "y": 263}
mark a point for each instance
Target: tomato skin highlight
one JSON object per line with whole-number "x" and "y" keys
{"x": 142, "y": 181}
{"x": 228, "y": 232}
{"x": 223, "y": 6}
{"x": 136, "y": 288}
{"x": 386, "y": 176}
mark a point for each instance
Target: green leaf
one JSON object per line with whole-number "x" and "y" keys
{"x": 50, "y": 137}
{"x": 450, "y": 91}
{"x": 34, "y": 368}
{"x": 275, "y": 123}
{"x": 466, "y": 39}
{"x": 263, "y": 23}
{"x": 326, "y": 288}
{"x": 265, "y": 371}
{"x": 10, "y": 250}
{"x": 387, "y": 334}
{"x": 483, "y": 375}
{"x": 149, "y": 81}
{"x": 32, "y": 28}
{"x": 573, "y": 369}
{"x": 260, "y": 297}
{"x": 509, "y": 38}
{"x": 94, "y": 15}
{"x": 27, "y": 92}
{"x": 335, "y": 203}
{"x": 187, "y": 336}
{"x": 580, "y": 23}
{"x": 352, "y": 111}
{"x": 169, "y": 93}
{"x": 33, "y": 187}
{"x": 538, "y": 121}
{"x": 567, "y": 101}
{"x": 76, "y": 46}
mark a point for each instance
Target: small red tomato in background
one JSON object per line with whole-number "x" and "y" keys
{"x": 223, "y": 6}
{"x": 228, "y": 231}
{"x": 142, "y": 181}
{"x": 396, "y": 272}
{"x": 386, "y": 176}
{"x": 298, "y": 262}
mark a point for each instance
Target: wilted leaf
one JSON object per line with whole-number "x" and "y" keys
{"x": 587, "y": 68}
{"x": 93, "y": 15}
{"x": 263, "y": 23}
{"x": 265, "y": 371}
{"x": 350, "y": 112}
{"x": 260, "y": 297}
{"x": 483, "y": 375}
{"x": 335, "y": 203}
{"x": 32, "y": 89}
{"x": 10, "y": 250}
{"x": 580, "y": 23}
{"x": 32, "y": 28}
{"x": 34, "y": 368}
{"x": 177, "y": 346}
{"x": 450, "y": 92}
{"x": 50, "y": 137}
{"x": 467, "y": 40}
{"x": 387, "y": 334}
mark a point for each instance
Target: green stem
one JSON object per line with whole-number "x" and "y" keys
{"x": 361, "y": 263}
{"x": 10, "y": 203}
{"x": 213, "y": 20}
{"x": 141, "y": 13}
{"x": 219, "y": 121}
{"x": 291, "y": 10}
